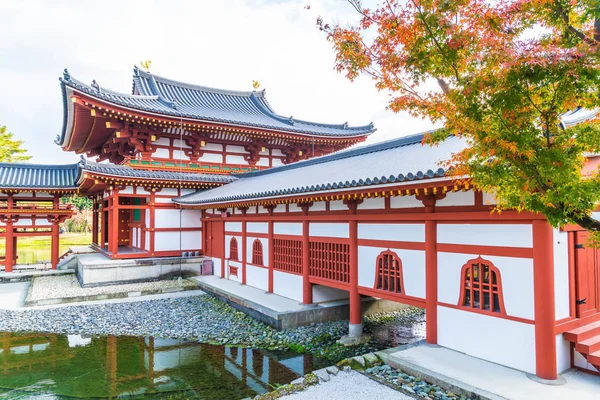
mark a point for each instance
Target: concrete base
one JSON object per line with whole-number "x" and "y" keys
{"x": 281, "y": 312}
{"x": 559, "y": 381}
{"x": 97, "y": 270}
{"x": 355, "y": 330}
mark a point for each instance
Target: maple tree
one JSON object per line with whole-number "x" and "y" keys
{"x": 10, "y": 150}
{"x": 500, "y": 74}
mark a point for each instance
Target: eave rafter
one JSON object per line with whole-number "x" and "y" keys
{"x": 110, "y": 119}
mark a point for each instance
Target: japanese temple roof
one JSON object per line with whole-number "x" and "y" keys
{"x": 395, "y": 161}
{"x": 578, "y": 116}
{"x": 163, "y": 96}
{"x": 124, "y": 171}
{"x": 36, "y": 176}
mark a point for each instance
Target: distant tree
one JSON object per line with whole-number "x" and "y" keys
{"x": 82, "y": 203}
{"x": 10, "y": 150}
{"x": 500, "y": 74}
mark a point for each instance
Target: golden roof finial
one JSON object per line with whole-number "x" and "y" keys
{"x": 146, "y": 65}
{"x": 255, "y": 85}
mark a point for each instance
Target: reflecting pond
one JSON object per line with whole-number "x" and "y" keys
{"x": 48, "y": 366}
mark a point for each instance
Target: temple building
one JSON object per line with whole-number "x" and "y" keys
{"x": 283, "y": 205}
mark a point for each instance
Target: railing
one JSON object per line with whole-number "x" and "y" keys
{"x": 36, "y": 208}
{"x": 205, "y": 167}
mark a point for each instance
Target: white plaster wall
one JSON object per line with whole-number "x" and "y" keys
{"x": 257, "y": 227}
{"x": 398, "y": 232}
{"x": 235, "y": 160}
{"x": 43, "y": 223}
{"x": 337, "y": 230}
{"x": 191, "y": 218}
{"x": 509, "y": 235}
{"x": 323, "y": 293}
{"x": 141, "y": 190}
{"x": 180, "y": 143}
{"x": 233, "y": 226}
{"x": 405, "y": 202}
{"x": 147, "y": 241}
{"x": 318, "y": 206}
{"x": 277, "y": 152}
{"x": 262, "y": 210}
{"x": 180, "y": 155}
{"x": 265, "y": 247}
{"x": 263, "y": 162}
{"x": 287, "y": 285}
{"x": 563, "y": 354}
{"x": 413, "y": 268}
{"x": 561, "y": 274}
{"x": 372, "y": 204}
{"x": 168, "y": 192}
{"x": 516, "y": 274}
{"x": 164, "y": 241}
{"x": 217, "y": 266}
{"x": 489, "y": 199}
{"x": 295, "y": 208}
{"x": 170, "y": 218}
{"x": 498, "y": 340}
{"x": 162, "y": 142}
{"x": 213, "y": 147}
{"x": 287, "y": 228}
{"x": 127, "y": 190}
{"x": 457, "y": 199}
{"x": 251, "y": 210}
{"x": 236, "y": 149}
{"x": 257, "y": 277}
{"x": 337, "y": 205}
{"x": 580, "y": 361}
{"x": 191, "y": 240}
{"x": 23, "y": 222}
{"x": 212, "y": 157}
{"x": 228, "y": 243}
{"x": 276, "y": 162}
{"x": 161, "y": 153}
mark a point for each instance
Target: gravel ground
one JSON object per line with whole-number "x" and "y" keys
{"x": 351, "y": 385}
{"x": 202, "y": 318}
{"x": 65, "y": 286}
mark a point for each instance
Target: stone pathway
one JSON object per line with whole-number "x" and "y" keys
{"x": 348, "y": 385}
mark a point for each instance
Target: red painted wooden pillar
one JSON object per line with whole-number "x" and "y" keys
{"x": 152, "y": 210}
{"x": 431, "y": 281}
{"x": 54, "y": 243}
{"x": 114, "y": 224}
{"x": 355, "y": 307}
{"x": 95, "y": 221}
{"x": 9, "y": 246}
{"x": 271, "y": 256}
{"x": 244, "y": 249}
{"x": 307, "y": 297}
{"x": 543, "y": 289}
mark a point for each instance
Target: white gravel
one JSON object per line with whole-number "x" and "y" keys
{"x": 65, "y": 286}
{"x": 348, "y": 385}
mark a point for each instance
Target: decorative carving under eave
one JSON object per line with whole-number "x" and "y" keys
{"x": 254, "y": 149}
{"x": 352, "y": 204}
{"x": 195, "y": 143}
{"x": 293, "y": 154}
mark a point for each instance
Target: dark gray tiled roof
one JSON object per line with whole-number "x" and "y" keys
{"x": 399, "y": 160}
{"x": 164, "y": 96}
{"x": 36, "y": 176}
{"x": 128, "y": 172}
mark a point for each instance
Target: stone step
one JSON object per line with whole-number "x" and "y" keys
{"x": 588, "y": 346}
{"x": 583, "y": 332}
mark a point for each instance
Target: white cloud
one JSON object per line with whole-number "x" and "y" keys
{"x": 224, "y": 44}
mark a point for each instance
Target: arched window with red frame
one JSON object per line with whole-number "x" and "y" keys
{"x": 388, "y": 273}
{"x": 257, "y": 252}
{"x": 233, "y": 249}
{"x": 481, "y": 286}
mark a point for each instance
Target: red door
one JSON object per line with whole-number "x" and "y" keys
{"x": 587, "y": 276}
{"x": 217, "y": 239}
{"x": 207, "y": 233}
{"x": 124, "y": 229}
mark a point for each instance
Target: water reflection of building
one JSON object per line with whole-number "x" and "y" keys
{"x": 112, "y": 366}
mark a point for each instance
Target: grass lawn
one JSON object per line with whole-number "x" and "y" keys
{"x": 66, "y": 239}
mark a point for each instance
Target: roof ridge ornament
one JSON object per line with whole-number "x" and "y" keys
{"x": 96, "y": 86}
{"x": 82, "y": 161}
{"x": 66, "y": 75}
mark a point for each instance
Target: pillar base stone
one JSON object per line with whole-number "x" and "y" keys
{"x": 559, "y": 381}
{"x": 355, "y": 336}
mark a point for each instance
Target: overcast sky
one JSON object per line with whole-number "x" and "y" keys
{"x": 219, "y": 43}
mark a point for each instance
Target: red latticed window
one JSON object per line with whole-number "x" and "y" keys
{"x": 233, "y": 249}
{"x": 481, "y": 286}
{"x": 257, "y": 253}
{"x": 287, "y": 255}
{"x": 330, "y": 261}
{"x": 389, "y": 273}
